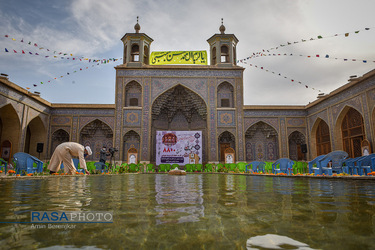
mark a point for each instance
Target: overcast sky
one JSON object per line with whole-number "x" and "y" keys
{"x": 93, "y": 29}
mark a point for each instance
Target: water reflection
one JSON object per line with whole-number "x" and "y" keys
{"x": 179, "y": 199}
{"x": 200, "y": 211}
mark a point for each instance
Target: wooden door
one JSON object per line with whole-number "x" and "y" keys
{"x": 223, "y": 146}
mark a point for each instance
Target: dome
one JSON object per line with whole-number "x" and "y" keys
{"x": 222, "y": 27}
{"x": 137, "y": 27}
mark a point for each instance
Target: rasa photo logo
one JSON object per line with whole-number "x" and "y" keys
{"x": 71, "y": 217}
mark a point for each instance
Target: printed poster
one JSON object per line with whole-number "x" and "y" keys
{"x": 176, "y": 146}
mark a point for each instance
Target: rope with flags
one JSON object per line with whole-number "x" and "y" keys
{"x": 279, "y": 74}
{"x": 62, "y": 55}
{"x": 319, "y": 37}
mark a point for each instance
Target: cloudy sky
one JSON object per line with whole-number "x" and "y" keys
{"x": 93, "y": 29}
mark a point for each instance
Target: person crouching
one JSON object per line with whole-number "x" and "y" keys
{"x": 64, "y": 153}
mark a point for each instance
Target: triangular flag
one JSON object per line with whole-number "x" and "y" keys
{"x": 6, "y": 50}
{"x": 327, "y": 56}
{"x": 35, "y": 85}
{"x": 320, "y": 37}
{"x": 356, "y": 31}
{"x": 30, "y": 53}
{"x": 30, "y": 43}
{"x": 367, "y": 28}
{"x": 36, "y": 45}
{"x": 6, "y": 36}
{"x": 346, "y": 34}
{"x": 364, "y": 61}
{"x": 306, "y": 86}
{"x": 15, "y": 51}
{"x": 13, "y": 39}
{"x": 22, "y": 40}
{"x": 41, "y": 82}
{"x": 23, "y": 52}
{"x": 27, "y": 88}
{"x": 317, "y": 55}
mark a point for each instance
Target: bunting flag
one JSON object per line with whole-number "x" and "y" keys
{"x": 106, "y": 60}
{"x": 62, "y": 53}
{"x": 308, "y": 56}
{"x": 319, "y": 37}
{"x": 285, "y": 77}
{"x": 80, "y": 69}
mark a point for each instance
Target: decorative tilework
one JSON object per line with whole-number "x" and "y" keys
{"x": 270, "y": 121}
{"x": 75, "y": 128}
{"x": 354, "y": 102}
{"x": 84, "y": 120}
{"x": 226, "y": 118}
{"x": 61, "y": 120}
{"x": 118, "y": 119}
{"x": 55, "y": 128}
{"x": 83, "y": 111}
{"x": 283, "y": 137}
{"x": 240, "y": 136}
{"x": 353, "y": 91}
{"x": 180, "y": 73}
{"x": 132, "y": 118}
{"x": 160, "y": 85}
{"x": 296, "y": 122}
{"x": 145, "y": 141}
{"x": 273, "y": 113}
{"x": 213, "y": 140}
{"x": 312, "y": 119}
{"x": 366, "y": 118}
{"x": 301, "y": 130}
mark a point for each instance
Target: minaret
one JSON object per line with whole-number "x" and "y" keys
{"x": 136, "y": 48}
{"x": 223, "y": 48}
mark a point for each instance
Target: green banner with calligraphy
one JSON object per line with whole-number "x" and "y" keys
{"x": 179, "y": 57}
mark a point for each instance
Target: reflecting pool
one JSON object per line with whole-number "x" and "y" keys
{"x": 196, "y": 211}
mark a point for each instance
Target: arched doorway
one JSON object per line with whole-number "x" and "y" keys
{"x": 58, "y": 137}
{"x": 226, "y": 140}
{"x": 323, "y": 139}
{"x": 296, "y": 142}
{"x": 96, "y": 134}
{"x": 353, "y": 132}
{"x": 9, "y": 129}
{"x": 131, "y": 140}
{"x": 35, "y": 133}
{"x": 179, "y": 109}
{"x": 261, "y": 143}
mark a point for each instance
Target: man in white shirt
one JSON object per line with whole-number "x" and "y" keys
{"x": 64, "y": 152}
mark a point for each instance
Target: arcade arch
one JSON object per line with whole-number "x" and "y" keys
{"x": 131, "y": 140}
{"x": 58, "y": 137}
{"x": 262, "y": 143}
{"x": 179, "y": 109}
{"x": 96, "y": 134}
{"x": 296, "y": 142}
{"x": 35, "y": 133}
{"x": 10, "y": 130}
{"x": 226, "y": 140}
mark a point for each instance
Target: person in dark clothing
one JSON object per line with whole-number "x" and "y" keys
{"x": 103, "y": 154}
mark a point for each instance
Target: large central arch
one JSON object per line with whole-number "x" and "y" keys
{"x": 179, "y": 109}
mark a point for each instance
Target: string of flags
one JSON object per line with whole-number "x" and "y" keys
{"x": 62, "y": 55}
{"x": 285, "y": 77}
{"x": 313, "y": 56}
{"x": 75, "y": 71}
{"x": 319, "y": 37}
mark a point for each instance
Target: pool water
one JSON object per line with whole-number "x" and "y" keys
{"x": 196, "y": 211}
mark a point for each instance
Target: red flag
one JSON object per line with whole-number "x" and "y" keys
{"x": 15, "y": 51}
{"x": 317, "y": 55}
{"x": 23, "y": 52}
{"x": 36, "y": 45}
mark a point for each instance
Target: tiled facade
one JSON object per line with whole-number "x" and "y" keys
{"x": 258, "y": 132}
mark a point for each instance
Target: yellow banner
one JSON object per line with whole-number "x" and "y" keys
{"x": 179, "y": 57}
